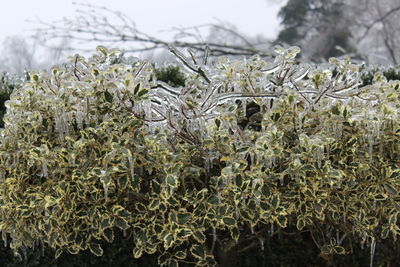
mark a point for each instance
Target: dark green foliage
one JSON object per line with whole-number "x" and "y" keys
{"x": 390, "y": 73}
{"x": 7, "y": 85}
{"x": 171, "y": 75}
{"x": 319, "y": 23}
{"x": 294, "y": 16}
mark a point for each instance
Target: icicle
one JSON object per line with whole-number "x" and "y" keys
{"x": 44, "y": 168}
{"x": 5, "y": 240}
{"x": 252, "y": 230}
{"x": 105, "y": 186}
{"x": 370, "y": 146}
{"x": 252, "y": 159}
{"x": 363, "y": 240}
{"x": 319, "y": 158}
{"x": 24, "y": 253}
{"x": 261, "y": 243}
{"x": 214, "y": 234}
{"x": 219, "y": 197}
{"x": 272, "y": 229}
{"x": 79, "y": 115}
{"x": 2, "y": 175}
{"x": 124, "y": 233}
{"x": 373, "y": 246}
{"x": 207, "y": 164}
{"x": 244, "y": 106}
{"x": 137, "y": 108}
{"x": 147, "y": 110}
{"x": 131, "y": 167}
{"x": 281, "y": 181}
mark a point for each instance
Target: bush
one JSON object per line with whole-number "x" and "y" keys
{"x": 245, "y": 153}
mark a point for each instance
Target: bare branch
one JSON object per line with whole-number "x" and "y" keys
{"x": 96, "y": 24}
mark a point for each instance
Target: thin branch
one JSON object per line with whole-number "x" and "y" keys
{"x": 92, "y": 25}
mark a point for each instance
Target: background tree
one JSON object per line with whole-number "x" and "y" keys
{"x": 366, "y": 29}
{"x": 20, "y": 54}
{"x": 319, "y": 27}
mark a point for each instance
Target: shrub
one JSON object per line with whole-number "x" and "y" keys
{"x": 101, "y": 149}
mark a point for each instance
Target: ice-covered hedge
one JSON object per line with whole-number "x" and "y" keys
{"x": 244, "y": 151}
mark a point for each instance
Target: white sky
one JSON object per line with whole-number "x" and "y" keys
{"x": 251, "y": 17}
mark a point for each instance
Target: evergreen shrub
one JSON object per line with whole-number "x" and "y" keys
{"x": 100, "y": 149}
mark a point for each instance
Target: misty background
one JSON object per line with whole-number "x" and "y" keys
{"x": 39, "y": 34}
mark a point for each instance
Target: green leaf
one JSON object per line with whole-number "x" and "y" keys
{"x": 300, "y": 224}
{"x": 123, "y": 181}
{"x": 168, "y": 240}
{"x": 242, "y": 149}
{"x": 229, "y": 221}
{"x": 108, "y": 96}
{"x": 245, "y": 214}
{"x": 183, "y": 218}
{"x": 121, "y": 223}
{"x": 199, "y": 236}
{"x": 143, "y": 92}
{"x": 282, "y": 221}
{"x": 265, "y": 190}
{"x": 136, "y": 90}
{"x": 239, "y": 181}
{"x": 184, "y": 233}
{"x": 275, "y": 201}
{"x": 217, "y": 123}
{"x": 335, "y": 110}
{"x": 154, "y": 204}
{"x": 213, "y": 200}
{"x": 181, "y": 254}
{"x": 96, "y": 249}
{"x": 108, "y": 235}
{"x": 164, "y": 258}
{"x": 390, "y": 190}
{"x": 105, "y": 223}
{"x": 198, "y": 251}
{"x": 172, "y": 180}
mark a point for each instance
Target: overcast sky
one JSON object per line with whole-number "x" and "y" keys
{"x": 151, "y": 16}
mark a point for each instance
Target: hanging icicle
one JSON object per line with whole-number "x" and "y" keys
{"x": 5, "y": 239}
{"x": 373, "y": 246}
{"x": 44, "y": 168}
{"x": 131, "y": 167}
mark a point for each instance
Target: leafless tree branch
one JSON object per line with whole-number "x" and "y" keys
{"x": 93, "y": 25}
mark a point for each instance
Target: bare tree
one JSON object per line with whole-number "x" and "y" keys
{"x": 101, "y": 25}
{"x": 20, "y": 54}
{"x": 366, "y": 29}
{"x": 377, "y": 29}
{"x": 17, "y": 55}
